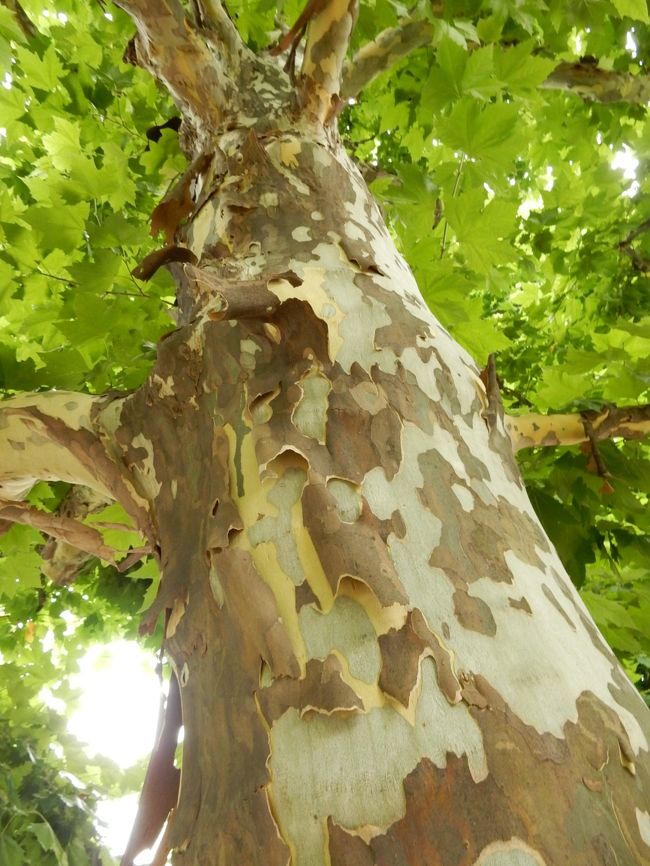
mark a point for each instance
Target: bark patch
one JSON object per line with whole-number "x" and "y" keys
{"x": 322, "y": 690}
{"x": 356, "y": 550}
{"x": 402, "y": 651}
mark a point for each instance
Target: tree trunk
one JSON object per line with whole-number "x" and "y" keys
{"x": 380, "y": 655}
{"x": 381, "y": 658}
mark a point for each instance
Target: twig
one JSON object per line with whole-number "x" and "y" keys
{"x": 494, "y": 409}
{"x": 639, "y": 262}
{"x": 453, "y": 195}
{"x": 586, "y": 80}
{"x": 597, "y": 457}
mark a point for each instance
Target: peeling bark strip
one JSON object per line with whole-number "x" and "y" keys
{"x": 310, "y": 460}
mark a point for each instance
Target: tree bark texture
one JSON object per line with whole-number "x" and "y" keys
{"x": 381, "y": 658}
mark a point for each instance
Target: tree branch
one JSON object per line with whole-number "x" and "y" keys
{"x": 60, "y": 436}
{"x": 599, "y": 85}
{"x": 329, "y": 25}
{"x": 48, "y": 437}
{"x": 62, "y": 561}
{"x": 218, "y": 26}
{"x": 77, "y": 534}
{"x": 639, "y": 262}
{"x": 534, "y": 431}
{"x": 327, "y": 43}
{"x": 384, "y": 51}
{"x": 24, "y": 21}
{"x": 584, "y": 78}
{"x": 198, "y": 66}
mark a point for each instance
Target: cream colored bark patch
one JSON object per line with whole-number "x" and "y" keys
{"x": 514, "y": 852}
{"x": 310, "y": 415}
{"x": 279, "y": 529}
{"x": 643, "y": 820}
{"x": 347, "y": 498}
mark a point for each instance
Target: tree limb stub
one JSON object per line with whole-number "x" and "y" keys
{"x": 534, "y": 431}
{"x": 583, "y": 79}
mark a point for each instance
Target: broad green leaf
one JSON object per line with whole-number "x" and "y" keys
{"x": 60, "y": 228}
{"x": 11, "y": 854}
{"x": 519, "y": 69}
{"x": 40, "y": 72}
{"x": 483, "y": 133}
{"x": 635, "y": 9}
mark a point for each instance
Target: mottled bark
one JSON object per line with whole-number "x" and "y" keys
{"x": 613, "y": 422}
{"x": 381, "y": 659}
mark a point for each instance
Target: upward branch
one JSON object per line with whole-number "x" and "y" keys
{"x": 328, "y": 38}
{"x": 197, "y": 60}
{"x": 329, "y": 25}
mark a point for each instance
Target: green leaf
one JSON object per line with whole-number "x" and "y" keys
{"x": 519, "y": 69}
{"x": 96, "y": 276}
{"x": 116, "y": 527}
{"x": 10, "y": 28}
{"x": 20, "y": 564}
{"x": 11, "y": 854}
{"x": 48, "y": 841}
{"x": 478, "y": 78}
{"x": 60, "y": 228}
{"x": 484, "y": 133}
{"x": 635, "y": 9}
{"x": 43, "y": 72}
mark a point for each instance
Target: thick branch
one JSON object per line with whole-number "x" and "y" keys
{"x": 384, "y": 51}
{"x": 328, "y": 38}
{"x": 83, "y": 538}
{"x": 61, "y": 436}
{"x": 198, "y": 71}
{"x": 599, "y": 85}
{"x": 48, "y": 437}
{"x": 584, "y": 79}
{"x": 62, "y": 561}
{"x": 533, "y": 431}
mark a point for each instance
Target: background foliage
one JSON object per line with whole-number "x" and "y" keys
{"x": 500, "y": 193}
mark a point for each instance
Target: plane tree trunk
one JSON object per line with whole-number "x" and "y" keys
{"x": 381, "y": 659}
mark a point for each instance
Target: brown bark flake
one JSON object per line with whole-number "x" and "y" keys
{"x": 402, "y": 651}
{"x": 223, "y": 814}
{"x": 449, "y": 819}
{"x": 321, "y": 690}
{"x": 353, "y": 550}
